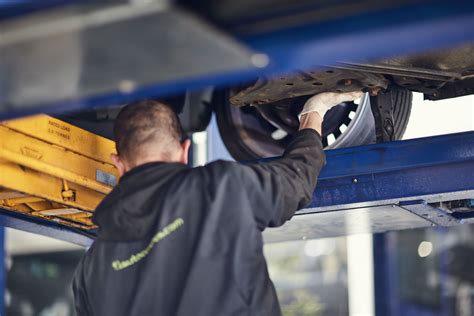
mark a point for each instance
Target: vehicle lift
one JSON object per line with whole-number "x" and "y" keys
{"x": 53, "y": 174}
{"x": 54, "y": 171}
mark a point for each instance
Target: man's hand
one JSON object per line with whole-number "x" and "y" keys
{"x": 316, "y": 107}
{"x": 312, "y": 120}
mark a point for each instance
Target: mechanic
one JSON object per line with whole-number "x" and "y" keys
{"x": 175, "y": 240}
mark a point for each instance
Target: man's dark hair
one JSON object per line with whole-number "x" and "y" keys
{"x": 144, "y": 123}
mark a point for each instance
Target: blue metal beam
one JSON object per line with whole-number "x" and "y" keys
{"x": 12, "y": 8}
{"x": 44, "y": 227}
{"x": 432, "y": 169}
{"x": 359, "y": 180}
{"x": 408, "y": 28}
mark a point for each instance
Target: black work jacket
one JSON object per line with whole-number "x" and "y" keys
{"x": 175, "y": 240}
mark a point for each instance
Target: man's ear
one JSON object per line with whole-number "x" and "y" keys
{"x": 185, "y": 151}
{"x": 118, "y": 164}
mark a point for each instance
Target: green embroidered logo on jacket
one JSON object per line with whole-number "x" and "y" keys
{"x": 168, "y": 229}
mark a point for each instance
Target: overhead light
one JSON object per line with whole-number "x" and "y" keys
{"x": 424, "y": 249}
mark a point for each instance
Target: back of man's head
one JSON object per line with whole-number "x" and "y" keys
{"x": 147, "y": 129}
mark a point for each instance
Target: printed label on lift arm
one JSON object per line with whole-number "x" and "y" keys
{"x": 59, "y": 129}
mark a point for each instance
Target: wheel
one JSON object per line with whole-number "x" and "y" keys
{"x": 253, "y": 132}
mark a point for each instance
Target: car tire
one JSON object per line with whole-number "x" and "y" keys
{"x": 247, "y": 135}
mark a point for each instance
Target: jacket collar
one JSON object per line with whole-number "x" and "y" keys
{"x": 143, "y": 168}
{"x": 128, "y": 211}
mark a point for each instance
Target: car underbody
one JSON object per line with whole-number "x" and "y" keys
{"x": 256, "y": 119}
{"x": 438, "y": 75}
{"x": 278, "y": 99}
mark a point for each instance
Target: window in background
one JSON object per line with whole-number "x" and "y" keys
{"x": 310, "y": 276}
{"x": 39, "y": 275}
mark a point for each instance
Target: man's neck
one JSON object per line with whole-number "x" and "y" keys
{"x": 150, "y": 159}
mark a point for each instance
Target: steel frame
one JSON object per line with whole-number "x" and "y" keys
{"x": 383, "y": 187}
{"x": 433, "y": 169}
{"x": 405, "y": 174}
{"x": 388, "y": 186}
{"x": 46, "y": 228}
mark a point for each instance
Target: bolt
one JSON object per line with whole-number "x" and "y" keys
{"x": 374, "y": 91}
{"x": 389, "y": 129}
{"x": 68, "y": 195}
{"x": 355, "y": 180}
{"x": 347, "y": 82}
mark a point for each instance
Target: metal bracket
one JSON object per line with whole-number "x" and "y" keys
{"x": 436, "y": 216}
{"x": 42, "y": 226}
{"x": 382, "y": 109}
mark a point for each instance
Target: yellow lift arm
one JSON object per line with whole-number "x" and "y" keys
{"x": 54, "y": 170}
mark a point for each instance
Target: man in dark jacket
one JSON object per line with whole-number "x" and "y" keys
{"x": 175, "y": 240}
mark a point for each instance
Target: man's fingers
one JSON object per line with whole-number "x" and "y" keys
{"x": 348, "y": 96}
{"x": 322, "y": 102}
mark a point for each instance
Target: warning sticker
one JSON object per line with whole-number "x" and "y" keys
{"x": 105, "y": 178}
{"x": 58, "y": 129}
